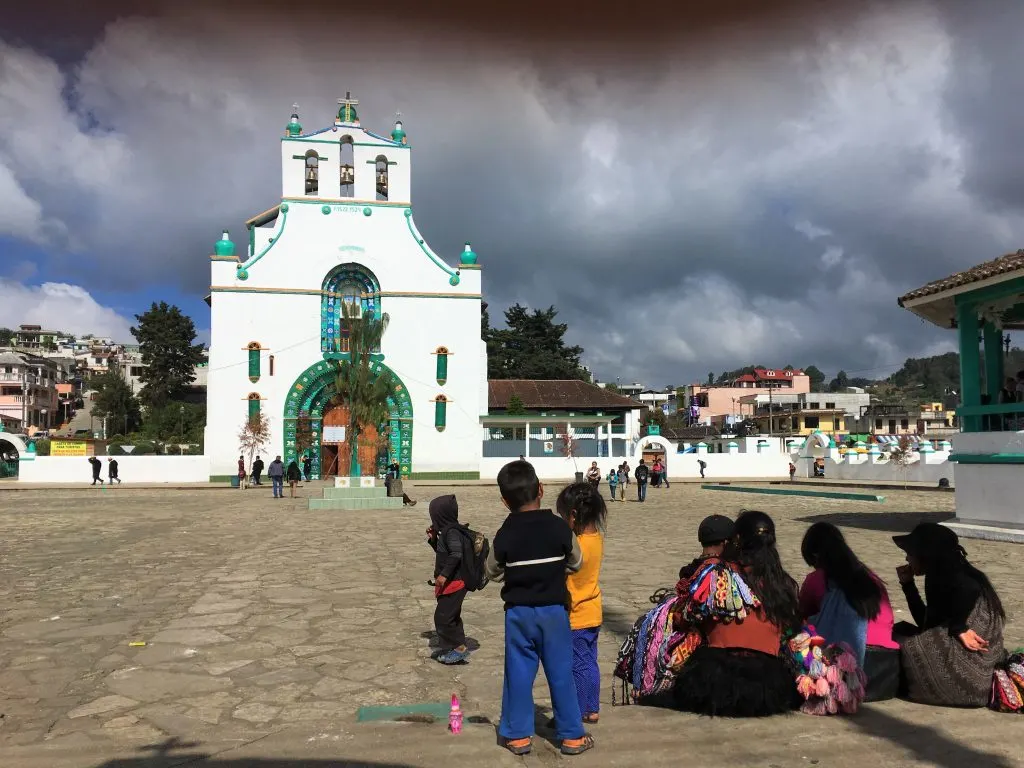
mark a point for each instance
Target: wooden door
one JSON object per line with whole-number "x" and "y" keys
{"x": 368, "y": 438}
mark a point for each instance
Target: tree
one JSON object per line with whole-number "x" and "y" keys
{"x": 839, "y": 383}
{"x": 901, "y": 456}
{"x": 6, "y": 337}
{"x": 515, "y": 406}
{"x": 303, "y": 434}
{"x": 115, "y": 402}
{"x": 356, "y": 386}
{"x": 254, "y": 436}
{"x": 166, "y": 342}
{"x": 817, "y": 378}
{"x": 613, "y": 388}
{"x": 569, "y": 445}
{"x": 531, "y": 346}
{"x": 175, "y": 422}
{"x": 711, "y": 378}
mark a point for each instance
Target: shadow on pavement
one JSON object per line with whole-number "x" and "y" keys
{"x": 890, "y": 522}
{"x": 175, "y": 752}
{"x": 927, "y": 744}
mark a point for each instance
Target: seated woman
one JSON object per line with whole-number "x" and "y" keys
{"x": 949, "y": 657}
{"x": 847, "y": 603}
{"x": 738, "y": 671}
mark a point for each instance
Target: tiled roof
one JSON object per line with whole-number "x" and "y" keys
{"x": 558, "y": 394}
{"x": 1008, "y": 263}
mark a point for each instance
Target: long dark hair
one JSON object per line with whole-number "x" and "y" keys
{"x": 588, "y": 504}
{"x": 754, "y": 548}
{"x": 940, "y": 564}
{"x": 824, "y": 547}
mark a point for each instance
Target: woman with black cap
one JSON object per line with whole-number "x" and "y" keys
{"x": 949, "y": 657}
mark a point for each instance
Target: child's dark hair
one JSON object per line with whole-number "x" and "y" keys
{"x": 588, "y": 504}
{"x": 518, "y": 484}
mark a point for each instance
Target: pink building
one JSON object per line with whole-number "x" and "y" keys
{"x": 720, "y": 403}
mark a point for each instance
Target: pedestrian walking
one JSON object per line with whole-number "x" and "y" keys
{"x": 276, "y": 474}
{"x": 112, "y": 471}
{"x": 257, "y": 471}
{"x": 96, "y": 468}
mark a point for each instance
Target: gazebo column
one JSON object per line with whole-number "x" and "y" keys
{"x": 608, "y": 427}
{"x": 970, "y": 363}
{"x": 993, "y": 337}
{"x": 526, "y": 448}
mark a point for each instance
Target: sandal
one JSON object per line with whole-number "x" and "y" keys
{"x": 516, "y": 746}
{"x": 577, "y": 746}
{"x": 591, "y": 719}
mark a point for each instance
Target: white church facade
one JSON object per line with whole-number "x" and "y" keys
{"x": 344, "y": 232}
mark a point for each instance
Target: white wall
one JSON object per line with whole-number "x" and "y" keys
{"x": 989, "y": 493}
{"x": 918, "y": 472}
{"x": 720, "y": 466}
{"x": 131, "y": 469}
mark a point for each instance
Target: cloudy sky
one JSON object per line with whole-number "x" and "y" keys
{"x": 693, "y": 191}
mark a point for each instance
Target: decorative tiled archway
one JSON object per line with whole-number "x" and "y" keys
{"x": 311, "y": 393}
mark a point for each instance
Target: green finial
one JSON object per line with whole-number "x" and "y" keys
{"x": 399, "y": 133}
{"x": 347, "y": 109}
{"x": 294, "y": 126}
{"x": 468, "y": 256}
{"x": 224, "y": 246}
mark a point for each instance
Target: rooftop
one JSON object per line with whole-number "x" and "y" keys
{"x": 557, "y": 394}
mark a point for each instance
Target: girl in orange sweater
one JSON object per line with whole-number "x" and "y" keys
{"x": 583, "y": 508}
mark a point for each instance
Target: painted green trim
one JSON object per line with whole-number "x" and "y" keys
{"x": 423, "y": 247}
{"x": 444, "y": 476}
{"x": 990, "y": 410}
{"x": 416, "y": 711}
{"x": 314, "y": 292}
{"x": 992, "y": 343}
{"x": 252, "y": 241}
{"x": 225, "y": 258}
{"x": 389, "y": 162}
{"x": 349, "y": 201}
{"x": 221, "y": 478}
{"x": 389, "y": 145}
{"x": 1001, "y": 290}
{"x": 791, "y": 492}
{"x": 987, "y": 458}
{"x": 243, "y": 269}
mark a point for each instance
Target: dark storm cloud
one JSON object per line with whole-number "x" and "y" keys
{"x": 694, "y": 188}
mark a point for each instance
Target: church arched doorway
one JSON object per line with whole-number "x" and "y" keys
{"x": 314, "y": 426}
{"x": 9, "y": 457}
{"x": 336, "y": 447}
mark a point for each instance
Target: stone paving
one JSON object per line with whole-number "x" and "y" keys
{"x": 266, "y": 626}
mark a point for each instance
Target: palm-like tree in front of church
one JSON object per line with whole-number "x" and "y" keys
{"x": 357, "y": 385}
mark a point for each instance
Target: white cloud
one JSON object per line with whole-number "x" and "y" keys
{"x": 60, "y": 307}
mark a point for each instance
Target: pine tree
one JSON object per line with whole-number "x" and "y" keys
{"x": 166, "y": 339}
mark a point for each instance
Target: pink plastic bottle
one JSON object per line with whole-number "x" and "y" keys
{"x": 455, "y": 716}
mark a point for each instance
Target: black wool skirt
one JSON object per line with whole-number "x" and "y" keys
{"x": 732, "y": 682}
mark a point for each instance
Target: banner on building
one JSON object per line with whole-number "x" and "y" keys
{"x": 333, "y": 434}
{"x": 67, "y": 448}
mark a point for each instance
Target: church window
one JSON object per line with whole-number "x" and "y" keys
{"x": 381, "y": 170}
{"x": 254, "y": 405}
{"x": 254, "y": 361}
{"x": 442, "y": 365}
{"x": 348, "y": 167}
{"x": 312, "y": 173}
{"x": 346, "y": 284}
{"x": 440, "y": 413}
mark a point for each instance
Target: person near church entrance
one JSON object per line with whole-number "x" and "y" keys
{"x": 257, "y": 471}
{"x": 307, "y": 468}
{"x": 276, "y": 473}
{"x": 243, "y": 476}
{"x": 702, "y": 465}
{"x": 594, "y": 474}
{"x": 641, "y": 474}
{"x": 447, "y": 537}
{"x": 613, "y": 482}
{"x": 294, "y": 475}
{"x": 112, "y": 471}
{"x": 792, "y": 472}
{"x": 657, "y": 468}
{"x": 96, "y": 467}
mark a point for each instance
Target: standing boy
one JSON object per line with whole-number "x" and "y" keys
{"x": 641, "y": 475}
{"x": 531, "y": 553}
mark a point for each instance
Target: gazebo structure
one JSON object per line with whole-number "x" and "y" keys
{"x": 980, "y": 304}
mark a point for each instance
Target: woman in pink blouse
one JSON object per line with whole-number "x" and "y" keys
{"x": 848, "y": 603}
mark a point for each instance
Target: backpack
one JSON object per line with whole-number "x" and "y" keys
{"x": 641, "y": 473}
{"x": 474, "y": 572}
{"x": 702, "y": 464}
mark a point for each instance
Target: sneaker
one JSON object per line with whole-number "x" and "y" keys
{"x": 454, "y": 657}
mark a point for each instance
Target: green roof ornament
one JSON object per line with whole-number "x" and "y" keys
{"x": 398, "y": 134}
{"x": 468, "y": 256}
{"x": 294, "y": 127}
{"x": 224, "y": 246}
{"x": 347, "y": 110}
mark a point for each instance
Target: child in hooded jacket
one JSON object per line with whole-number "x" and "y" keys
{"x": 446, "y": 537}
